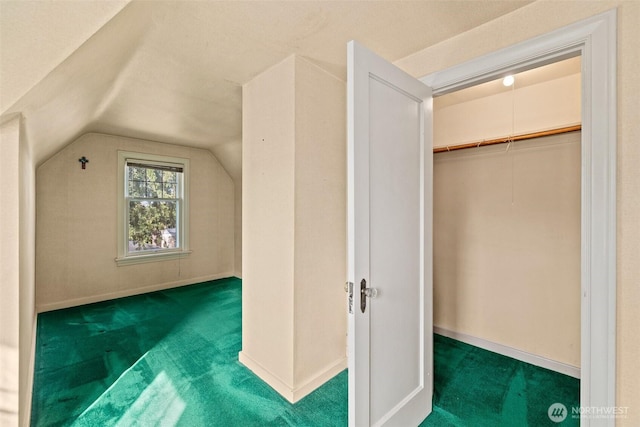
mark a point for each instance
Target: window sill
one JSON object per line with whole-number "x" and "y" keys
{"x": 152, "y": 257}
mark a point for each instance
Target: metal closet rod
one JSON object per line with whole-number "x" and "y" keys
{"x": 521, "y": 137}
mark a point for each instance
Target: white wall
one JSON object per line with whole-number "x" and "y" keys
{"x": 77, "y": 217}
{"x": 539, "y": 18}
{"x": 294, "y": 227}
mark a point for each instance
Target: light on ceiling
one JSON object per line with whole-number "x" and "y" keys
{"x": 508, "y": 81}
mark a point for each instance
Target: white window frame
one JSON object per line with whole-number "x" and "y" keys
{"x": 182, "y": 221}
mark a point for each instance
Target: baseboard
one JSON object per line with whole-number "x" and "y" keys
{"x": 40, "y": 308}
{"x": 292, "y": 394}
{"x": 514, "y": 353}
{"x": 319, "y": 379}
{"x": 272, "y": 380}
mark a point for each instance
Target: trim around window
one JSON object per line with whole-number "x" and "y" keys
{"x": 126, "y": 256}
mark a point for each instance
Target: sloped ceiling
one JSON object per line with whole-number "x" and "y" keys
{"x": 172, "y": 71}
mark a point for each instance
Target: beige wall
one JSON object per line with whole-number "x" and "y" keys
{"x": 230, "y": 155}
{"x": 9, "y": 272}
{"x": 17, "y": 261}
{"x": 294, "y": 229}
{"x": 507, "y": 224}
{"x": 77, "y": 220}
{"x": 507, "y": 245}
{"x": 543, "y": 106}
{"x": 320, "y": 223}
{"x": 237, "y": 230}
{"x": 539, "y": 18}
{"x": 27, "y": 274}
{"x": 268, "y": 219}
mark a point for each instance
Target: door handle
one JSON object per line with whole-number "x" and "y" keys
{"x": 364, "y": 293}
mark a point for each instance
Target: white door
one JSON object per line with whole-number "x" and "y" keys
{"x": 390, "y": 163}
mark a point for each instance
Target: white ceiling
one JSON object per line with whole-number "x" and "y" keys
{"x": 172, "y": 71}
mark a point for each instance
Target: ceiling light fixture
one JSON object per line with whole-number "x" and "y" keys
{"x": 508, "y": 81}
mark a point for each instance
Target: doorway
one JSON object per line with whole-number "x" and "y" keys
{"x": 507, "y": 216}
{"x": 595, "y": 40}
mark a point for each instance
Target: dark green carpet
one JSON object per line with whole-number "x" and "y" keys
{"x": 170, "y": 358}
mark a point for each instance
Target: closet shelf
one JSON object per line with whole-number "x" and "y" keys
{"x": 521, "y": 137}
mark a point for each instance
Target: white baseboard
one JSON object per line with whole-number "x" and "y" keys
{"x": 40, "y": 308}
{"x": 319, "y": 379}
{"x": 292, "y": 394}
{"x": 514, "y": 353}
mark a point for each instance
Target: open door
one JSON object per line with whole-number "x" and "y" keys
{"x": 390, "y": 196}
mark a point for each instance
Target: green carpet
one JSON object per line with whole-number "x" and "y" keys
{"x": 170, "y": 358}
{"x": 476, "y": 387}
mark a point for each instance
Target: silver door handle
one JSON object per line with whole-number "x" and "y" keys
{"x": 364, "y": 293}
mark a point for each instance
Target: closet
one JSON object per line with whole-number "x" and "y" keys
{"x": 507, "y": 197}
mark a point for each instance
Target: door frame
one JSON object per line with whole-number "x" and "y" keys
{"x": 595, "y": 40}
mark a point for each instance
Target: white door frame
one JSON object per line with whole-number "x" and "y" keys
{"x": 595, "y": 40}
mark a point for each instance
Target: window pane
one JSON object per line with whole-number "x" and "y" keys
{"x": 137, "y": 189}
{"x": 153, "y": 183}
{"x": 169, "y": 191}
{"x": 169, "y": 176}
{"x": 152, "y": 225}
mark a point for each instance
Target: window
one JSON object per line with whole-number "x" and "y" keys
{"x": 152, "y": 208}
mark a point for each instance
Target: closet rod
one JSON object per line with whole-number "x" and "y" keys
{"x": 520, "y": 137}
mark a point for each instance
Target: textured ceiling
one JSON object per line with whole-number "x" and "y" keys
{"x": 173, "y": 71}
{"x": 36, "y": 36}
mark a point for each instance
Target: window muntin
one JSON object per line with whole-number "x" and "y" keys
{"x": 154, "y": 195}
{"x": 152, "y": 208}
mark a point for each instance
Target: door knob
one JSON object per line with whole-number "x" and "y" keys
{"x": 364, "y": 293}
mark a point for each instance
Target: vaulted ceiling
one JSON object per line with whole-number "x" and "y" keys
{"x": 172, "y": 71}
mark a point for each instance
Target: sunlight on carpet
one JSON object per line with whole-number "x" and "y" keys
{"x": 171, "y": 358}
